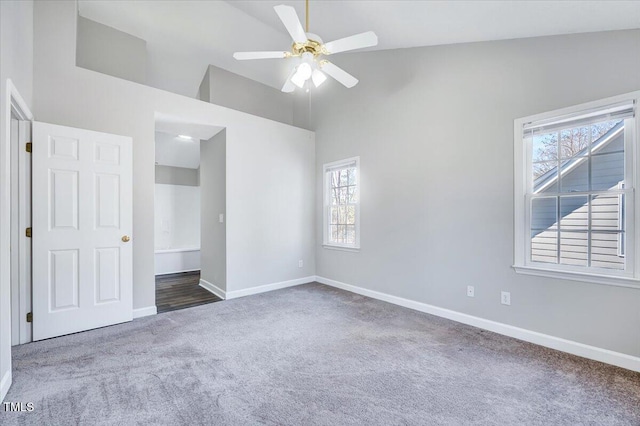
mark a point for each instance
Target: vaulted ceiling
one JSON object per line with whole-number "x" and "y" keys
{"x": 184, "y": 36}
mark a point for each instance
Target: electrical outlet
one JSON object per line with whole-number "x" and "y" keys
{"x": 300, "y": 263}
{"x": 470, "y": 291}
{"x": 221, "y": 218}
{"x": 505, "y": 298}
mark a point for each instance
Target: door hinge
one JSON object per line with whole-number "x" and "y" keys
{"x": 28, "y": 232}
{"x": 29, "y": 147}
{"x": 30, "y": 317}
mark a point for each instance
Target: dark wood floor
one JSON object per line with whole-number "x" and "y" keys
{"x": 179, "y": 291}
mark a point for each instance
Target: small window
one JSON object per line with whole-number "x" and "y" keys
{"x": 575, "y": 182}
{"x": 342, "y": 204}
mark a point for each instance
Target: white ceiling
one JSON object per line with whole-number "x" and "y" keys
{"x": 184, "y": 36}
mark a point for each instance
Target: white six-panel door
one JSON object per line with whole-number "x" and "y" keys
{"x": 82, "y": 223}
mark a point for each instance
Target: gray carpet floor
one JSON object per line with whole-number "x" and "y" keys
{"x": 311, "y": 355}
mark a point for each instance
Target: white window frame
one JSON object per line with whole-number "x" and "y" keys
{"x": 630, "y": 277}
{"x": 326, "y": 198}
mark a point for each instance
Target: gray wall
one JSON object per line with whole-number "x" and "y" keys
{"x": 213, "y": 234}
{"x": 177, "y": 176}
{"x": 434, "y": 131}
{"x": 109, "y": 51}
{"x": 222, "y": 87}
{"x": 204, "y": 91}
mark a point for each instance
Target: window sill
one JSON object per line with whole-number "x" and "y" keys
{"x": 619, "y": 281}
{"x": 341, "y": 248}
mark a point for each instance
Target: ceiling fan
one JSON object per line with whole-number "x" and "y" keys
{"x": 309, "y": 48}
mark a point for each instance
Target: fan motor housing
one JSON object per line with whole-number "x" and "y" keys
{"x": 312, "y": 45}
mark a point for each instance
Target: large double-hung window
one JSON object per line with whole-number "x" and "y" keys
{"x": 576, "y": 213}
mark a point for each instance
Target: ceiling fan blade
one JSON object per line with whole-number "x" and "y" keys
{"x": 288, "y": 85}
{"x": 242, "y": 56}
{"x": 289, "y": 18}
{"x": 339, "y": 74}
{"x": 353, "y": 42}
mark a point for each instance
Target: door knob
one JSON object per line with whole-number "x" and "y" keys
{"x": 126, "y": 239}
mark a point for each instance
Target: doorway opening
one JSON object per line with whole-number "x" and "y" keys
{"x": 187, "y": 178}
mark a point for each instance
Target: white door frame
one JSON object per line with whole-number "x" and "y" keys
{"x": 15, "y": 104}
{"x": 21, "y": 257}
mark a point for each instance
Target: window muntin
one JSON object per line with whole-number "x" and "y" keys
{"x": 341, "y": 204}
{"x": 575, "y": 180}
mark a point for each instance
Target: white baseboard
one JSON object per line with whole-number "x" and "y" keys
{"x": 212, "y": 288}
{"x": 580, "y": 349}
{"x": 5, "y": 384}
{"x": 144, "y": 312}
{"x": 269, "y": 287}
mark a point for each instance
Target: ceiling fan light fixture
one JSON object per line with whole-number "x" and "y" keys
{"x": 303, "y": 73}
{"x": 297, "y": 80}
{"x": 318, "y": 77}
{"x": 309, "y": 49}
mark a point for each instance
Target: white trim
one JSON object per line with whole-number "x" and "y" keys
{"x": 269, "y": 287}
{"x": 341, "y": 248}
{"x": 23, "y": 175}
{"x": 620, "y": 281}
{"x": 17, "y": 101}
{"x": 212, "y": 288}
{"x": 177, "y": 272}
{"x": 145, "y": 312}
{"x": 557, "y": 343}
{"x": 177, "y": 250}
{"x": 582, "y": 107}
{"x": 5, "y": 384}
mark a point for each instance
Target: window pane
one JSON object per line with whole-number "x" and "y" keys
{"x": 334, "y": 215}
{"x": 606, "y": 171}
{"x": 342, "y": 233}
{"x": 574, "y": 142}
{"x": 335, "y": 196}
{"x": 545, "y": 147}
{"x": 351, "y": 215}
{"x": 573, "y": 248}
{"x": 353, "y": 194}
{"x": 605, "y": 250}
{"x": 546, "y": 168}
{"x": 605, "y": 212}
{"x": 343, "y": 195}
{"x": 344, "y": 180}
{"x": 352, "y": 176}
{"x": 333, "y": 230}
{"x": 351, "y": 234}
{"x": 574, "y": 212}
{"x": 334, "y": 178}
{"x": 574, "y": 175}
{"x": 544, "y": 246}
{"x": 544, "y": 213}
{"x": 598, "y": 130}
{"x": 342, "y": 215}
